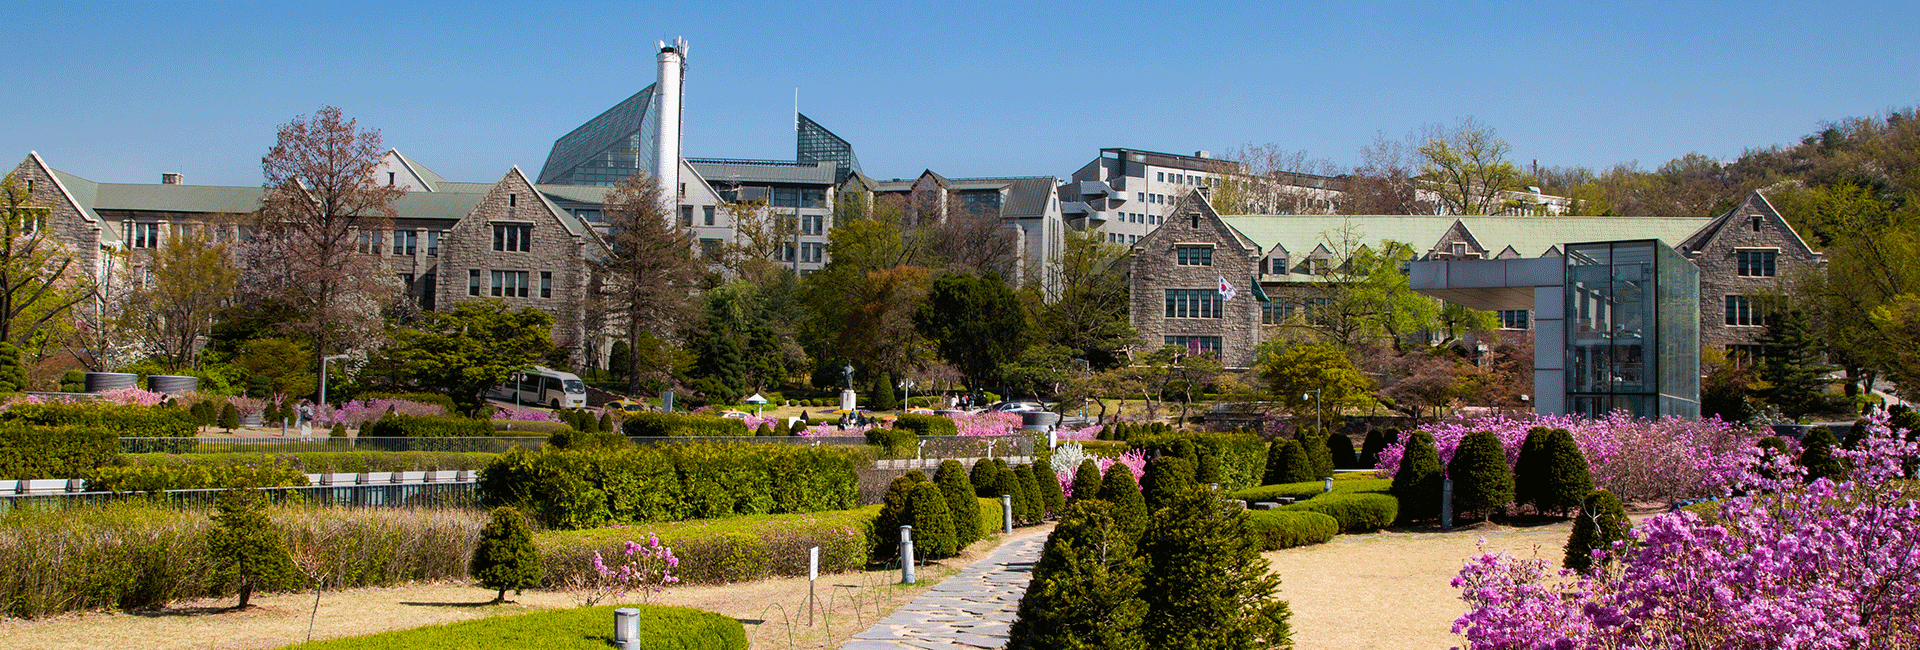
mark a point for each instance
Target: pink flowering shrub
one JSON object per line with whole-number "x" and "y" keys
{"x": 1785, "y": 564}
{"x": 131, "y": 396}
{"x": 1639, "y": 460}
{"x": 524, "y": 414}
{"x": 1135, "y": 461}
{"x": 646, "y": 569}
{"x": 359, "y": 412}
{"x": 1089, "y": 433}
{"x": 986, "y": 423}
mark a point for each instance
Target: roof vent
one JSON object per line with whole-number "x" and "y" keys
{"x": 172, "y": 178}
{"x": 1203, "y": 154}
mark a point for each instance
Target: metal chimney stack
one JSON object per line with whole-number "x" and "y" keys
{"x": 673, "y": 66}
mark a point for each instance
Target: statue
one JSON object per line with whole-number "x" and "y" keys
{"x": 848, "y": 371}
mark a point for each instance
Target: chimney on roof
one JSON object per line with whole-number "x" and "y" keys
{"x": 172, "y": 178}
{"x": 1203, "y": 154}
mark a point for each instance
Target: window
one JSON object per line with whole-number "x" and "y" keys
{"x": 1745, "y": 311}
{"x": 812, "y": 251}
{"x": 1160, "y": 176}
{"x": 512, "y": 237}
{"x": 513, "y": 200}
{"x": 510, "y": 284}
{"x": 1195, "y": 344}
{"x": 428, "y": 287}
{"x": 1756, "y": 263}
{"x": 1515, "y": 319}
{"x": 389, "y": 178}
{"x": 813, "y": 198}
{"x": 786, "y": 197}
{"x": 1194, "y": 255}
{"x": 369, "y": 242}
{"x": 473, "y": 282}
{"x": 1757, "y": 223}
{"x": 1196, "y": 220}
{"x": 546, "y": 284}
{"x": 1276, "y": 312}
{"x": 810, "y": 224}
{"x": 146, "y": 235}
{"x": 1140, "y": 196}
{"x": 1277, "y": 265}
{"x": 686, "y": 215}
{"x": 1318, "y": 310}
{"x": 1743, "y": 356}
{"x": 707, "y": 218}
{"x": 1458, "y": 249}
{"x": 433, "y": 242}
{"x": 404, "y": 242}
{"x": 1194, "y": 303}
{"x": 786, "y": 252}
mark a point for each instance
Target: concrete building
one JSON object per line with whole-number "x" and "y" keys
{"x": 1027, "y": 206}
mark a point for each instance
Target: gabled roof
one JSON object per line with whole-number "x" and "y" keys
{"x": 1305, "y": 232}
{"x": 1458, "y": 232}
{"x": 1756, "y": 202}
{"x": 744, "y": 171}
{"x": 426, "y": 176}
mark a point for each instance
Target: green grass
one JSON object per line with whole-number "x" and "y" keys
{"x": 1311, "y": 489}
{"x": 583, "y": 628}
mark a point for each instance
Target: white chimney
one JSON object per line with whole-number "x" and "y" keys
{"x": 172, "y": 178}
{"x": 667, "y": 158}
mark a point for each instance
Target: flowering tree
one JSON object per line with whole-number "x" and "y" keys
{"x": 646, "y": 569}
{"x": 1786, "y": 563}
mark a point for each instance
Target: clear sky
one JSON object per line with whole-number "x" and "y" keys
{"x": 121, "y": 92}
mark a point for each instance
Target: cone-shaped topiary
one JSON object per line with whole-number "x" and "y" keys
{"x": 1566, "y": 479}
{"x": 339, "y": 430}
{"x": 1370, "y": 449}
{"x": 1482, "y": 481}
{"x": 884, "y": 399}
{"x": 1085, "y": 590}
{"x": 896, "y": 510}
{"x": 1051, "y": 497}
{"x": 606, "y": 422}
{"x": 932, "y": 523}
{"x": 1340, "y": 447}
{"x": 1314, "y": 443}
{"x": 1816, "y": 454}
{"x": 506, "y": 557}
{"x": 13, "y": 373}
{"x": 229, "y": 417}
{"x": 1167, "y": 478}
{"x": 1287, "y": 463}
{"x": 1035, "y": 509}
{"x": 1129, "y": 508}
{"x": 961, "y": 502}
{"x": 1529, "y": 470}
{"x": 1600, "y": 522}
{"x": 1086, "y": 480}
{"x": 1417, "y": 484}
{"x": 1206, "y": 469}
{"x": 247, "y": 552}
{"x": 986, "y": 479}
{"x": 1207, "y": 585}
{"x": 203, "y": 413}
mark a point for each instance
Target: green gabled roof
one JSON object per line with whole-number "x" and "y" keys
{"x": 436, "y": 205}
{"x": 82, "y": 190}
{"x": 210, "y": 199}
{"x": 580, "y": 193}
{"x": 714, "y": 170}
{"x": 1530, "y": 236}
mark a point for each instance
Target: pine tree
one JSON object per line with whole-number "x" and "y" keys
{"x": 1567, "y": 478}
{"x": 1086, "y": 480}
{"x": 1167, "y": 478}
{"x": 606, "y": 422}
{"x": 1482, "y": 481}
{"x": 1340, "y": 447}
{"x": 1600, "y": 523}
{"x": 1816, "y": 454}
{"x": 896, "y": 510}
{"x": 1129, "y": 508}
{"x": 932, "y": 522}
{"x": 1792, "y": 362}
{"x": 1085, "y": 590}
{"x": 1051, "y": 497}
{"x": 229, "y": 417}
{"x": 506, "y": 557}
{"x": 247, "y": 552}
{"x": 1207, "y": 585}
{"x": 961, "y": 502}
{"x": 986, "y": 479}
{"x": 203, "y": 413}
{"x": 1287, "y": 463}
{"x": 1314, "y": 443}
{"x": 1417, "y": 484}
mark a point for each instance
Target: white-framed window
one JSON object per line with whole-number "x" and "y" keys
{"x": 405, "y": 242}
{"x": 812, "y": 251}
{"x": 145, "y": 235}
{"x": 812, "y": 224}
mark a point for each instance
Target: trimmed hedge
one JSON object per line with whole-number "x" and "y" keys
{"x": 321, "y": 462}
{"x": 661, "y": 425}
{"x": 1357, "y": 512}
{"x": 1313, "y": 489}
{"x": 1241, "y": 456}
{"x": 426, "y": 427}
{"x": 715, "y": 551}
{"x": 1278, "y": 529}
{"x": 38, "y": 452}
{"x": 585, "y": 628}
{"x": 435, "y": 399}
{"x": 585, "y": 488}
{"x": 926, "y": 425}
{"x": 184, "y": 476}
{"x": 127, "y": 421}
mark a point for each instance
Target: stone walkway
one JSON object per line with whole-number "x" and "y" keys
{"x": 972, "y": 609}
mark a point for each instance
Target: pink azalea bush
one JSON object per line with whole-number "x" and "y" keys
{"x": 1135, "y": 461}
{"x": 646, "y": 569}
{"x": 358, "y": 412}
{"x": 524, "y": 414}
{"x": 1088, "y": 433}
{"x": 1829, "y": 564}
{"x": 986, "y": 423}
{"x": 131, "y": 396}
{"x": 1646, "y": 461}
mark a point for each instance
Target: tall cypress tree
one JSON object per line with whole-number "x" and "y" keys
{"x": 932, "y": 522}
{"x": 1482, "y": 481}
{"x": 1051, "y": 497}
{"x": 1129, "y": 508}
{"x": 1207, "y": 585}
{"x": 1417, "y": 484}
{"x": 1085, "y": 590}
{"x": 1086, "y": 480}
{"x": 961, "y": 502}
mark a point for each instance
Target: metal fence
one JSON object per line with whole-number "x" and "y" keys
{"x": 1017, "y": 444}
{"x": 455, "y": 494}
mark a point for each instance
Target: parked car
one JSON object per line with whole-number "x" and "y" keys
{"x": 629, "y": 406}
{"x": 1014, "y": 407}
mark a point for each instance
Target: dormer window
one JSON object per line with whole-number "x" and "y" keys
{"x": 1196, "y": 220}
{"x": 1459, "y": 250}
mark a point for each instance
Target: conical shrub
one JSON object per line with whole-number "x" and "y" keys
{"x": 1287, "y": 463}
{"x": 1340, "y": 448}
{"x": 986, "y": 479}
{"x": 1567, "y": 478}
{"x": 1530, "y": 469}
{"x": 1314, "y": 443}
{"x": 1085, "y": 590}
{"x": 932, "y": 522}
{"x": 1482, "y": 481}
{"x": 1600, "y": 522}
{"x": 896, "y": 510}
{"x": 1129, "y": 508}
{"x": 1417, "y": 483}
{"x": 1207, "y": 585}
{"x": 961, "y": 502}
{"x": 1167, "y": 478}
{"x": 1086, "y": 480}
{"x": 1051, "y": 498}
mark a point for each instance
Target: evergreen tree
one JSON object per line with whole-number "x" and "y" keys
{"x": 1567, "y": 478}
{"x": 1287, "y": 463}
{"x": 1206, "y": 468}
{"x": 229, "y": 417}
{"x": 1033, "y": 508}
{"x": 961, "y": 502}
{"x": 932, "y": 523}
{"x": 203, "y": 413}
{"x": 13, "y": 370}
{"x": 247, "y": 552}
{"x": 986, "y": 479}
{"x": 1530, "y": 468}
{"x": 1482, "y": 481}
{"x": 619, "y": 358}
{"x": 896, "y": 510}
{"x": 1050, "y": 494}
{"x": 1370, "y": 449}
{"x": 720, "y": 367}
{"x": 1600, "y": 523}
{"x": 1086, "y": 480}
{"x": 1184, "y": 449}
{"x": 1417, "y": 484}
{"x": 1085, "y": 590}
{"x": 1129, "y": 508}
{"x": 1314, "y": 443}
{"x": 884, "y": 399}
{"x": 1771, "y": 447}
{"x": 1856, "y": 434}
{"x": 798, "y": 426}
{"x": 1167, "y": 478}
{"x": 1792, "y": 365}
{"x": 339, "y": 430}
{"x": 606, "y": 422}
{"x": 506, "y": 557}
{"x": 1340, "y": 448}
{"x": 1816, "y": 454}
{"x": 1207, "y": 585}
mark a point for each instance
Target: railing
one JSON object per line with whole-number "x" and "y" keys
{"x": 457, "y": 494}
{"x": 1016, "y": 444}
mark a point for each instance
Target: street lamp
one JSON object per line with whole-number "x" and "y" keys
{"x": 1316, "y": 410}
{"x": 323, "y": 374}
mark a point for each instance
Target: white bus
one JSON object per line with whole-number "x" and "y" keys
{"x": 543, "y": 386}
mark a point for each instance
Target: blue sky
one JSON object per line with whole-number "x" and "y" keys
{"x": 120, "y": 92}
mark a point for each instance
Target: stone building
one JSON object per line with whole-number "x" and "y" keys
{"x": 1746, "y": 256}
{"x": 517, "y": 246}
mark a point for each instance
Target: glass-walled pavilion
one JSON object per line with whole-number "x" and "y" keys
{"x": 1632, "y": 329}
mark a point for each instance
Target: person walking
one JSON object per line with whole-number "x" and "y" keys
{"x": 306, "y": 420}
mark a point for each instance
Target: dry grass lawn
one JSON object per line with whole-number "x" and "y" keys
{"x": 774, "y": 611}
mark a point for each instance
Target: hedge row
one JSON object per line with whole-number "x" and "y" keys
{"x": 1278, "y": 529}
{"x": 736, "y": 549}
{"x": 1311, "y": 489}
{"x": 1363, "y": 512}
{"x": 321, "y": 462}
{"x": 428, "y": 426}
{"x": 661, "y": 425}
{"x": 38, "y": 452}
{"x": 926, "y": 425}
{"x": 123, "y": 420}
{"x": 584, "y": 628}
{"x": 183, "y": 476}
{"x": 586, "y": 488}
{"x": 1240, "y": 458}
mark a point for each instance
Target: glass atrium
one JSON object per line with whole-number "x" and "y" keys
{"x": 616, "y": 144}
{"x": 815, "y": 143}
{"x": 1633, "y": 330}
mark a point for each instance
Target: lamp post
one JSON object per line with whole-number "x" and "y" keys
{"x": 323, "y": 375}
{"x": 1316, "y": 409}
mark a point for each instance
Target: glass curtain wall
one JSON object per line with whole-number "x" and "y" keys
{"x": 1634, "y": 329}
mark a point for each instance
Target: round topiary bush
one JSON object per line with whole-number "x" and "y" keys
{"x": 1129, "y": 508}
{"x": 1086, "y": 480}
{"x": 1600, "y": 523}
{"x": 1482, "y": 481}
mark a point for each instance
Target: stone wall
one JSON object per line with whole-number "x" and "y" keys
{"x": 1720, "y": 269}
{"x": 1156, "y": 269}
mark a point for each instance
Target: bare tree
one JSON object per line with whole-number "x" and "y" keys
{"x": 973, "y": 243}
{"x": 644, "y": 283}
{"x": 40, "y": 279}
{"x": 321, "y": 197}
{"x": 1266, "y": 179}
{"x": 1384, "y": 182}
{"x": 189, "y": 280}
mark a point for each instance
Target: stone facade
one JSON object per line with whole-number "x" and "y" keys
{"x": 1751, "y": 227}
{"x": 470, "y": 267}
{"x": 1157, "y": 269}
{"x": 73, "y": 227}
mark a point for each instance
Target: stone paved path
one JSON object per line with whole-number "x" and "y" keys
{"x": 972, "y": 609}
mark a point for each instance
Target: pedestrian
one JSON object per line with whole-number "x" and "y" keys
{"x": 305, "y": 413}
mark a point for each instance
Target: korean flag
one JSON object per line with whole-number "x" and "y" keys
{"x": 1227, "y": 292}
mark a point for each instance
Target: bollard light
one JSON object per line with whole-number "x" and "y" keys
{"x": 906, "y": 555}
{"x": 1006, "y": 513}
{"x": 626, "y": 628}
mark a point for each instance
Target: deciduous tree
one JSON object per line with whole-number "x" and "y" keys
{"x": 40, "y": 279}
{"x": 644, "y": 282}
{"x": 193, "y": 279}
{"x": 1467, "y": 166}
{"x": 976, "y": 323}
{"x": 463, "y": 352}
